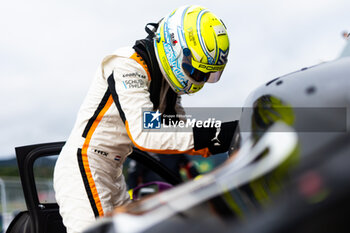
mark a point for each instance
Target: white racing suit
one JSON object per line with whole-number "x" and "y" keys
{"x": 88, "y": 178}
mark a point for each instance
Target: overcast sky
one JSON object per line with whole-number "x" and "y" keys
{"x": 49, "y": 51}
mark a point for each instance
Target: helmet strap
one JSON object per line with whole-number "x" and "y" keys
{"x": 151, "y": 32}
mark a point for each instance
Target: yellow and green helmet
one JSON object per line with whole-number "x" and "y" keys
{"x": 191, "y": 46}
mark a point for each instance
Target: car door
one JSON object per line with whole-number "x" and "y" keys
{"x": 35, "y": 164}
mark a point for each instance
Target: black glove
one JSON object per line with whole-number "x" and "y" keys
{"x": 217, "y": 143}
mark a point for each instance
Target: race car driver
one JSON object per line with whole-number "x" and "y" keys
{"x": 186, "y": 49}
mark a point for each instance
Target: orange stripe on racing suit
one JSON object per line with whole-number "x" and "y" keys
{"x": 139, "y": 60}
{"x": 85, "y": 157}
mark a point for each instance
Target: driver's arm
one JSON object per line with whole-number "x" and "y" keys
{"x": 132, "y": 99}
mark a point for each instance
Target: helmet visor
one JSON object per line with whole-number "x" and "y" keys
{"x": 201, "y": 72}
{"x": 195, "y": 74}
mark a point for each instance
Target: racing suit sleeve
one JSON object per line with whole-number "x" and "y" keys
{"x": 128, "y": 80}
